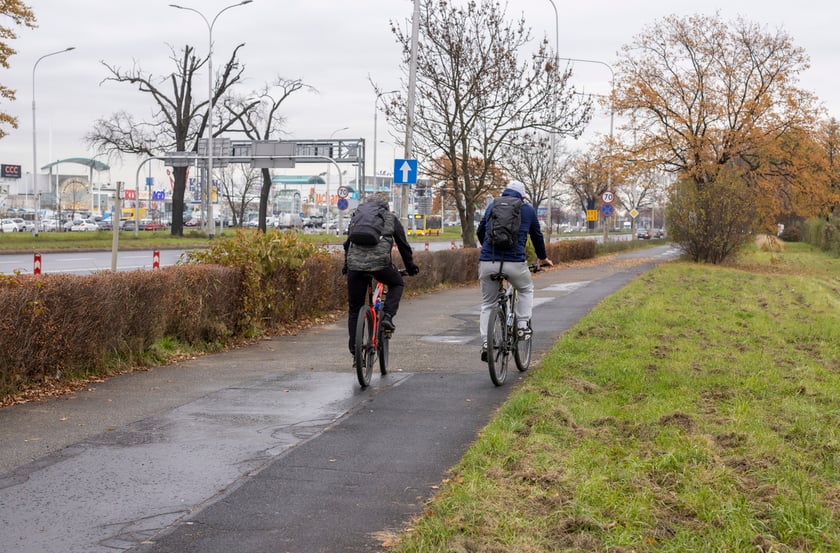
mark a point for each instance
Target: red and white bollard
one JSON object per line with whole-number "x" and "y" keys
{"x": 427, "y": 246}
{"x": 156, "y": 260}
{"x": 452, "y": 245}
{"x": 37, "y": 268}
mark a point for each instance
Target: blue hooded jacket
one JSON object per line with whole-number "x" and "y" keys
{"x": 529, "y": 225}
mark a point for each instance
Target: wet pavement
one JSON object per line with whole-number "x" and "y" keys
{"x": 272, "y": 447}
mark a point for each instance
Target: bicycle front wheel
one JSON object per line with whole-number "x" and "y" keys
{"x": 522, "y": 350}
{"x": 384, "y": 339}
{"x": 365, "y": 352}
{"x": 497, "y": 353}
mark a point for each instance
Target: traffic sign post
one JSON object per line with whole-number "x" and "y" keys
{"x": 405, "y": 171}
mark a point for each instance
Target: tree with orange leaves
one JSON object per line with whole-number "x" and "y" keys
{"x": 718, "y": 104}
{"x": 20, "y": 15}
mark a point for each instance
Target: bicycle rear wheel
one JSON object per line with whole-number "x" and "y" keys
{"x": 521, "y": 350}
{"x": 365, "y": 352}
{"x": 497, "y": 353}
{"x": 384, "y": 339}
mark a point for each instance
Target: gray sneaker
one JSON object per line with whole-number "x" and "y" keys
{"x": 525, "y": 333}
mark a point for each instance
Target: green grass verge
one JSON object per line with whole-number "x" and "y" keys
{"x": 698, "y": 409}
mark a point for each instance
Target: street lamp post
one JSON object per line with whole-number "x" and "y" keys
{"x": 35, "y": 142}
{"x": 327, "y": 199}
{"x": 554, "y": 116}
{"x": 375, "y": 141}
{"x": 211, "y": 223}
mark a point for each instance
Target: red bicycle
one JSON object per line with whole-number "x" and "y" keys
{"x": 371, "y": 339}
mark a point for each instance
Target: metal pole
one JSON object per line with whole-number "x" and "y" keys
{"x": 327, "y": 199}
{"x": 375, "y": 141}
{"x": 409, "y": 124}
{"x": 553, "y": 154}
{"x": 35, "y": 145}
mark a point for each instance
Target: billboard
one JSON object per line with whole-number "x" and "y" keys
{"x": 10, "y": 171}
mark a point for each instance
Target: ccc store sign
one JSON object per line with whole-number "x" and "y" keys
{"x": 10, "y": 171}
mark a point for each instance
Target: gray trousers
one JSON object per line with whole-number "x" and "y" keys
{"x": 518, "y": 275}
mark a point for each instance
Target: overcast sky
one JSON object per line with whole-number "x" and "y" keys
{"x": 332, "y": 45}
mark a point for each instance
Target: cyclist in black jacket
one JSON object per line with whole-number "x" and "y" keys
{"x": 363, "y": 262}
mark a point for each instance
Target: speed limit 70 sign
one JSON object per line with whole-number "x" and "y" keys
{"x": 608, "y": 197}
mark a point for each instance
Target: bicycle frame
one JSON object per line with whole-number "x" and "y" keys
{"x": 376, "y": 299}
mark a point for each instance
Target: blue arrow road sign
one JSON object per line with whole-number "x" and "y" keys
{"x": 405, "y": 171}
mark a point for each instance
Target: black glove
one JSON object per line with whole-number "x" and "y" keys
{"x": 412, "y": 269}
{"x": 344, "y": 269}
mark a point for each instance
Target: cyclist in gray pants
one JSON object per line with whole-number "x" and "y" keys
{"x": 513, "y": 263}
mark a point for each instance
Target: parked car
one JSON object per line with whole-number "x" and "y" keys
{"x": 84, "y": 225}
{"x": 49, "y": 225}
{"x": 659, "y": 233}
{"x": 7, "y": 225}
{"x": 150, "y": 224}
{"x": 643, "y": 234}
{"x": 23, "y": 224}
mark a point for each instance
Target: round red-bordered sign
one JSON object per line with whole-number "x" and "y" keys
{"x": 343, "y": 192}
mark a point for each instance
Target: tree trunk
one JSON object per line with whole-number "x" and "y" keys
{"x": 180, "y": 185}
{"x": 264, "y": 195}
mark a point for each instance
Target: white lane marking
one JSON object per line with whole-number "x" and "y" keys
{"x": 566, "y": 286}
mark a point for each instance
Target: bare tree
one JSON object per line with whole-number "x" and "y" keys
{"x": 528, "y": 158}
{"x": 473, "y": 94}
{"x": 238, "y": 183}
{"x": 262, "y": 121}
{"x": 179, "y": 121}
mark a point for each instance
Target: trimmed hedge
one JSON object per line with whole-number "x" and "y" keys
{"x": 66, "y": 326}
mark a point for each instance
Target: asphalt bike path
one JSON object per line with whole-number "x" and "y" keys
{"x": 274, "y": 447}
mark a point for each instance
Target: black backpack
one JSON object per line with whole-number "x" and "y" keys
{"x": 503, "y": 222}
{"x": 367, "y": 224}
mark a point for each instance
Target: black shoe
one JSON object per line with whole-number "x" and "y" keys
{"x": 386, "y": 323}
{"x": 484, "y": 352}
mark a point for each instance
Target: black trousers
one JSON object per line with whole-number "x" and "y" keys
{"x": 357, "y": 283}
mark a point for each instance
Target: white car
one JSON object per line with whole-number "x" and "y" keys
{"x": 8, "y": 225}
{"x": 84, "y": 225}
{"x": 23, "y": 224}
{"x": 49, "y": 225}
